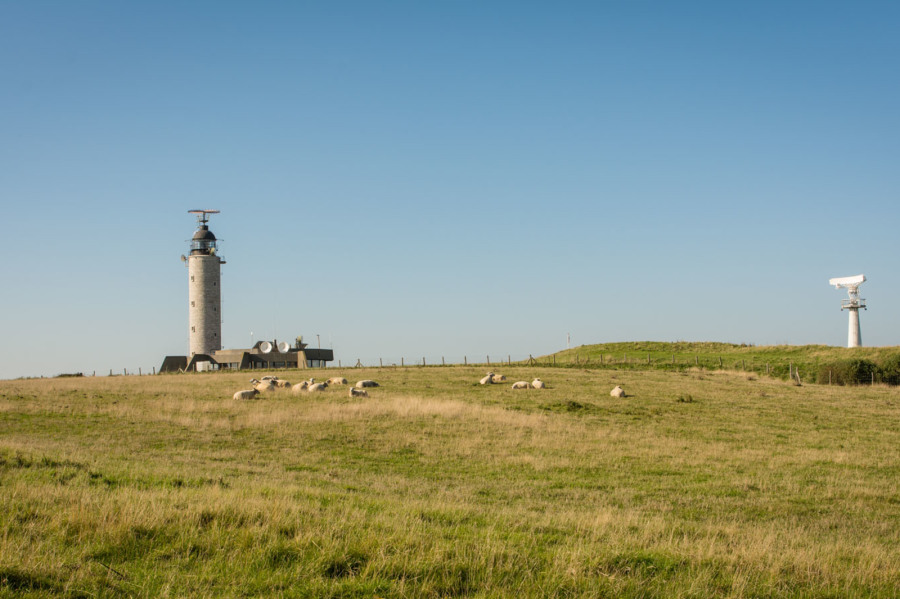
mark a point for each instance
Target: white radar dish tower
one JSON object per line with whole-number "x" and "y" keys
{"x": 853, "y": 304}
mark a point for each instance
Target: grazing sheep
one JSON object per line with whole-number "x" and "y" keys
{"x": 337, "y": 380}
{"x": 317, "y": 387}
{"x": 299, "y": 387}
{"x": 282, "y": 384}
{"x": 354, "y": 392}
{"x": 497, "y": 378}
{"x": 366, "y": 383}
{"x": 521, "y": 385}
{"x": 538, "y": 384}
{"x": 246, "y": 394}
{"x": 487, "y": 380}
{"x": 617, "y": 392}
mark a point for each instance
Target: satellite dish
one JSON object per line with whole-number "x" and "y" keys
{"x": 284, "y": 346}
{"x": 265, "y": 347}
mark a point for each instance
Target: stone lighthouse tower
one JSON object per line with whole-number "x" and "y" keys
{"x": 204, "y": 289}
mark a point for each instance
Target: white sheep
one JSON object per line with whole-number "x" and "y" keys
{"x": 617, "y": 392}
{"x": 281, "y": 384}
{"x": 337, "y": 380}
{"x": 246, "y": 394}
{"x": 487, "y": 380}
{"x": 317, "y": 387}
{"x": 521, "y": 385}
{"x": 366, "y": 383}
{"x": 538, "y": 384}
{"x": 354, "y": 392}
{"x": 299, "y": 387}
{"x": 498, "y": 378}
{"x": 267, "y": 385}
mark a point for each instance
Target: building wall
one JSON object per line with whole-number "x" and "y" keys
{"x": 204, "y": 304}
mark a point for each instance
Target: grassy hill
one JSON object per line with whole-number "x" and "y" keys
{"x": 812, "y": 361}
{"x": 697, "y": 484}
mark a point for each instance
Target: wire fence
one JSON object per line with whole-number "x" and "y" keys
{"x": 858, "y": 372}
{"x": 804, "y": 372}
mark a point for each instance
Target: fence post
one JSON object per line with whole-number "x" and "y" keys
{"x": 829, "y": 376}
{"x": 489, "y": 360}
{"x": 339, "y": 364}
{"x": 380, "y": 363}
{"x": 110, "y": 372}
{"x": 673, "y": 358}
{"x": 697, "y": 359}
{"x": 465, "y": 362}
{"x": 873, "y": 377}
{"x": 767, "y": 369}
{"x": 648, "y": 359}
{"x": 509, "y": 359}
{"x": 442, "y": 361}
{"x": 423, "y": 360}
{"x": 401, "y": 361}
{"x": 139, "y": 371}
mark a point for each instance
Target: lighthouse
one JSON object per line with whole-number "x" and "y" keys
{"x": 204, "y": 289}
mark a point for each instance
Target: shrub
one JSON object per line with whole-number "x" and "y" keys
{"x": 890, "y": 369}
{"x": 848, "y": 372}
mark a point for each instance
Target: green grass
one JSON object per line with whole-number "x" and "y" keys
{"x": 774, "y": 360}
{"x": 698, "y": 484}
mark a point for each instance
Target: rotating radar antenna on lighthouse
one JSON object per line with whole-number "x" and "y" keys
{"x": 203, "y": 215}
{"x": 852, "y": 305}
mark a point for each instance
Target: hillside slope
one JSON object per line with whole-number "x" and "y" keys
{"x": 814, "y": 362}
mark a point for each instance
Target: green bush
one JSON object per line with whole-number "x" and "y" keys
{"x": 890, "y": 369}
{"x": 848, "y": 372}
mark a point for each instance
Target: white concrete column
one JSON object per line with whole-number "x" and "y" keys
{"x": 854, "y": 338}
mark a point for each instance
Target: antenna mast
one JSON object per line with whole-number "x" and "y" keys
{"x": 852, "y": 304}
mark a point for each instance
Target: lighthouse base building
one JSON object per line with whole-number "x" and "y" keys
{"x": 298, "y": 356}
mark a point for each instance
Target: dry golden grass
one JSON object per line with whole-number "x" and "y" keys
{"x": 435, "y": 486}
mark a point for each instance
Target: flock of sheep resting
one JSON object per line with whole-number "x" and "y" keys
{"x": 271, "y": 383}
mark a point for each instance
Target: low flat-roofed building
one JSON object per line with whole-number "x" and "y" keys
{"x": 263, "y": 355}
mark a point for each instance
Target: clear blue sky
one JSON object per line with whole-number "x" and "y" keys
{"x": 427, "y": 179}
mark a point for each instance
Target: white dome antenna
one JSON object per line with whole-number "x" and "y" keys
{"x": 853, "y": 304}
